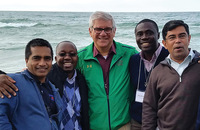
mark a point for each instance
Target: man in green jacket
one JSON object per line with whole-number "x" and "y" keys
{"x": 104, "y": 63}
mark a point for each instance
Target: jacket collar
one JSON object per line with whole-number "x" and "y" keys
{"x": 26, "y": 73}
{"x": 195, "y": 59}
{"x": 89, "y": 53}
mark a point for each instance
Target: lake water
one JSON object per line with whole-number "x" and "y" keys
{"x": 18, "y": 28}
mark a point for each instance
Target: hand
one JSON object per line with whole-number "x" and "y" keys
{"x": 7, "y": 86}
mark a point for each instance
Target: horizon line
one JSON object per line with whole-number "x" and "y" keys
{"x": 97, "y": 10}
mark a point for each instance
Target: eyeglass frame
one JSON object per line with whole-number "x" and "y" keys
{"x": 103, "y": 29}
{"x": 63, "y": 54}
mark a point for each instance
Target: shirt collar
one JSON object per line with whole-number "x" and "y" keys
{"x": 190, "y": 57}
{"x": 155, "y": 55}
{"x": 96, "y": 52}
{"x": 72, "y": 80}
{"x": 36, "y": 79}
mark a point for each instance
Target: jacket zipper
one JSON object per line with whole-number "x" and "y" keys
{"x": 108, "y": 111}
{"x": 108, "y": 106}
{"x": 180, "y": 77}
{"x": 107, "y": 94}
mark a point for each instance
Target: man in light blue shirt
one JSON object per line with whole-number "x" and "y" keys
{"x": 181, "y": 67}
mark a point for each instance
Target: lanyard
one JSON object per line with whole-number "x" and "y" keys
{"x": 146, "y": 76}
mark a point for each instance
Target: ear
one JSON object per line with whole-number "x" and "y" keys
{"x": 56, "y": 58}
{"x": 26, "y": 60}
{"x": 189, "y": 38}
{"x": 90, "y": 32}
{"x": 114, "y": 31}
{"x": 164, "y": 43}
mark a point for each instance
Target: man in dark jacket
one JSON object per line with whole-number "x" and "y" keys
{"x": 71, "y": 84}
{"x": 38, "y": 104}
{"x": 172, "y": 95}
{"x": 141, "y": 65}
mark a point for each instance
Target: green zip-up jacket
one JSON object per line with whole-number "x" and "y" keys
{"x": 107, "y": 111}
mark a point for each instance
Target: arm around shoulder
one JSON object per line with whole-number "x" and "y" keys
{"x": 7, "y": 86}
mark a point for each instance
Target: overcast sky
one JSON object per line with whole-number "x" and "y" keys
{"x": 101, "y": 5}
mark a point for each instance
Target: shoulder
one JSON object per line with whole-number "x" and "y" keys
{"x": 160, "y": 68}
{"x": 85, "y": 53}
{"x": 79, "y": 73}
{"x": 125, "y": 50}
{"x": 164, "y": 52}
{"x": 134, "y": 59}
{"x": 16, "y": 76}
{"x": 136, "y": 56}
{"x": 80, "y": 77}
{"x": 124, "y": 46}
{"x": 85, "y": 49}
{"x": 197, "y": 54}
{"x": 22, "y": 79}
{"x": 54, "y": 72}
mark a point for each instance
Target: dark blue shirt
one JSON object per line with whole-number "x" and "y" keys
{"x": 47, "y": 95}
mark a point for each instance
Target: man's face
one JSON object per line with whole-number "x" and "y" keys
{"x": 177, "y": 42}
{"x": 66, "y": 56}
{"x": 147, "y": 37}
{"x": 102, "y": 40}
{"x": 39, "y": 62}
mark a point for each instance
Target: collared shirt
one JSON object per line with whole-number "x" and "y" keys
{"x": 72, "y": 80}
{"x": 181, "y": 67}
{"x": 105, "y": 63}
{"x": 47, "y": 95}
{"x": 149, "y": 64}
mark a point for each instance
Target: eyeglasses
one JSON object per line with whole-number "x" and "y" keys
{"x": 173, "y": 37}
{"x": 107, "y": 30}
{"x": 63, "y": 54}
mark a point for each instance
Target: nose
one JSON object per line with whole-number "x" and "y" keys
{"x": 102, "y": 32}
{"x": 67, "y": 56}
{"x": 178, "y": 40}
{"x": 144, "y": 36}
{"x": 42, "y": 62}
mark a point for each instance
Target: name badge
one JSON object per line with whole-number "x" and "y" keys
{"x": 139, "y": 97}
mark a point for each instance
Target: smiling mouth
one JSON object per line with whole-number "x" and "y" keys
{"x": 102, "y": 38}
{"x": 146, "y": 44}
{"x": 42, "y": 69}
{"x": 67, "y": 64}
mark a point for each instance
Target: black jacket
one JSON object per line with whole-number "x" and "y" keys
{"x": 57, "y": 76}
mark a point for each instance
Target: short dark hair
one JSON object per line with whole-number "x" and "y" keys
{"x": 172, "y": 25}
{"x": 37, "y": 42}
{"x": 150, "y": 21}
{"x": 66, "y": 42}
